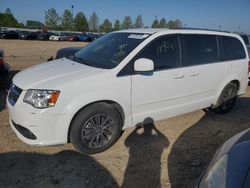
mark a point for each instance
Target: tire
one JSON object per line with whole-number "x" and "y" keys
{"x": 96, "y": 128}
{"x": 226, "y": 100}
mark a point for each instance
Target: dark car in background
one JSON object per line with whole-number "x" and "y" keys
{"x": 93, "y": 36}
{"x": 44, "y": 36}
{"x": 27, "y": 35}
{"x": 87, "y": 37}
{"x": 9, "y": 35}
{"x": 230, "y": 167}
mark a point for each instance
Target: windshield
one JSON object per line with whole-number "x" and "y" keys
{"x": 108, "y": 51}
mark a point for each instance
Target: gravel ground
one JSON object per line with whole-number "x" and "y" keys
{"x": 169, "y": 153}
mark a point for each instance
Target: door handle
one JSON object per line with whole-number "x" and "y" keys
{"x": 194, "y": 74}
{"x": 179, "y": 76}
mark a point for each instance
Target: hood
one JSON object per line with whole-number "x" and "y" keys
{"x": 53, "y": 74}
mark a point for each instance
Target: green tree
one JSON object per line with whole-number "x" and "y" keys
{"x": 8, "y": 11}
{"x": 117, "y": 25}
{"x": 127, "y": 23}
{"x": 106, "y": 26}
{"x": 94, "y": 22}
{"x": 31, "y": 24}
{"x": 52, "y": 19}
{"x": 155, "y": 24}
{"x": 81, "y": 23}
{"x": 67, "y": 20}
{"x": 8, "y": 20}
{"x": 138, "y": 22}
{"x": 171, "y": 24}
{"x": 163, "y": 23}
{"x": 21, "y": 25}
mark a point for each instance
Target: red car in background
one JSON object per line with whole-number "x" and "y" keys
{"x": 72, "y": 38}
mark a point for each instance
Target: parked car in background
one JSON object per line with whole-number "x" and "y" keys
{"x": 58, "y": 37}
{"x": 92, "y": 36}
{"x": 9, "y": 35}
{"x": 72, "y": 38}
{"x": 44, "y": 36}
{"x": 84, "y": 37}
{"x": 123, "y": 79}
{"x": 230, "y": 165}
{"x": 27, "y": 35}
{"x": 4, "y": 67}
{"x": 88, "y": 37}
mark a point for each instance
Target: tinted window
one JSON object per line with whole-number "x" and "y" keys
{"x": 164, "y": 52}
{"x": 108, "y": 51}
{"x": 245, "y": 38}
{"x": 232, "y": 48}
{"x": 199, "y": 49}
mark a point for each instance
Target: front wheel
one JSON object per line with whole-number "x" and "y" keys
{"x": 227, "y": 99}
{"x": 96, "y": 128}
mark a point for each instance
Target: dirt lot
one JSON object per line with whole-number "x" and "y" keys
{"x": 169, "y": 153}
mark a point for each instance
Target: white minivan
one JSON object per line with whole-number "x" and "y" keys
{"x": 124, "y": 79}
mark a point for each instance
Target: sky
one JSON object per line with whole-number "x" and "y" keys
{"x": 229, "y": 15}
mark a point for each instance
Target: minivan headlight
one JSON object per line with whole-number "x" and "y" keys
{"x": 216, "y": 175}
{"x": 41, "y": 98}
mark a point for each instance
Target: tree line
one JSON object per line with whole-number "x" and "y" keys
{"x": 79, "y": 22}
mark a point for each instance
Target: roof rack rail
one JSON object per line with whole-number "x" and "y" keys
{"x": 190, "y": 28}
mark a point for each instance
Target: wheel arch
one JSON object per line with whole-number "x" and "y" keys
{"x": 237, "y": 83}
{"x": 114, "y": 104}
{"x": 234, "y": 80}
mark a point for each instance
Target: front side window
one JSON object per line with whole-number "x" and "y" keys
{"x": 199, "y": 49}
{"x": 164, "y": 52}
{"x": 108, "y": 51}
{"x": 232, "y": 48}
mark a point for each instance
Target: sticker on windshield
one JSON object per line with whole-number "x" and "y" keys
{"x": 136, "y": 36}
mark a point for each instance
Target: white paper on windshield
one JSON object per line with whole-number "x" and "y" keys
{"x": 136, "y": 36}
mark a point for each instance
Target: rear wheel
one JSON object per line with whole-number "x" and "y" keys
{"x": 96, "y": 128}
{"x": 227, "y": 99}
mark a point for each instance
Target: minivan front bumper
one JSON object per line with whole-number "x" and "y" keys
{"x": 46, "y": 126}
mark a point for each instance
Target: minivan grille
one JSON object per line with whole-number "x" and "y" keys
{"x": 14, "y": 94}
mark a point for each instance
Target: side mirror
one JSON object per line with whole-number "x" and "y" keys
{"x": 144, "y": 65}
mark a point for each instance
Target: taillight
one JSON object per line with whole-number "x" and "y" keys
{"x": 1, "y": 61}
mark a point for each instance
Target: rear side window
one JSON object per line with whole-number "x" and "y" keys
{"x": 232, "y": 48}
{"x": 163, "y": 51}
{"x": 199, "y": 49}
